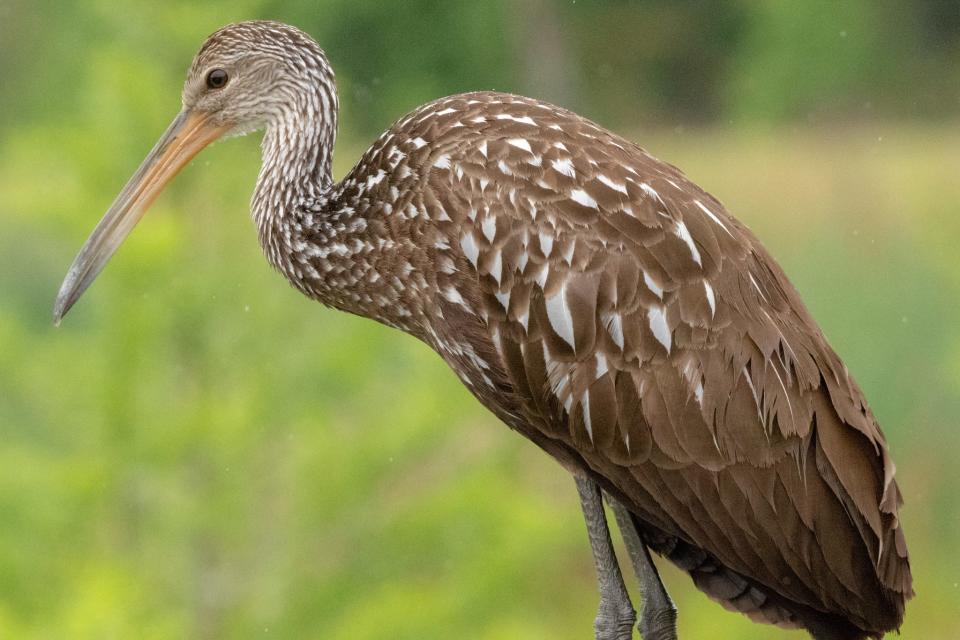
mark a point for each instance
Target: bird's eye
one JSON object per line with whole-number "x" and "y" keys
{"x": 217, "y": 79}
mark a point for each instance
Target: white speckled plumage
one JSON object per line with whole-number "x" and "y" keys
{"x": 482, "y": 174}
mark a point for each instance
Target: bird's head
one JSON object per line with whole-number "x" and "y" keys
{"x": 246, "y": 76}
{"x": 250, "y": 74}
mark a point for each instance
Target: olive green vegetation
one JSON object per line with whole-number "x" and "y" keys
{"x": 200, "y": 452}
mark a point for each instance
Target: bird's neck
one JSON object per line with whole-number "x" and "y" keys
{"x": 295, "y": 171}
{"x": 315, "y": 232}
{"x": 296, "y": 159}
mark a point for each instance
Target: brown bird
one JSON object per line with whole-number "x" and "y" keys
{"x": 596, "y": 301}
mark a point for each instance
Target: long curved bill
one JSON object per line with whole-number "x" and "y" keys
{"x": 186, "y": 136}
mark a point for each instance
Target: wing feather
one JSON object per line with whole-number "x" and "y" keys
{"x": 650, "y": 339}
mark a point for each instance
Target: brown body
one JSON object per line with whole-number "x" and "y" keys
{"x": 590, "y": 296}
{"x": 639, "y": 332}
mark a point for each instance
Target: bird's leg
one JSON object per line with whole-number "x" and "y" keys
{"x": 658, "y": 613}
{"x": 615, "y": 616}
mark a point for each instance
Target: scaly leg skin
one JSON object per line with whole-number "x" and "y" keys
{"x": 615, "y": 616}
{"x": 658, "y": 613}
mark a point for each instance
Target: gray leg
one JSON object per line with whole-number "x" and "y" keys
{"x": 658, "y": 613}
{"x": 615, "y": 616}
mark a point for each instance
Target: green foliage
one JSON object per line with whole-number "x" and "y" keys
{"x": 200, "y": 452}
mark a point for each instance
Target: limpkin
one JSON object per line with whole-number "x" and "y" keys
{"x": 596, "y": 301}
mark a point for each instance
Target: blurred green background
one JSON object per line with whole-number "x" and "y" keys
{"x": 200, "y": 452}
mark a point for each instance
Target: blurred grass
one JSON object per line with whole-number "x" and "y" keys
{"x": 200, "y": 452}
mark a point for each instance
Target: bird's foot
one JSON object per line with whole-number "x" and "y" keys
{"x": 658, "y": 624}
{"x": 614, "y": 620}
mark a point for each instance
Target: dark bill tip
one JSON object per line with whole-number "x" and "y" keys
{"x": 186, "y": 136}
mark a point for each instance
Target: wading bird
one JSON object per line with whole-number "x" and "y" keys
{"x": 596, "y": 301}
